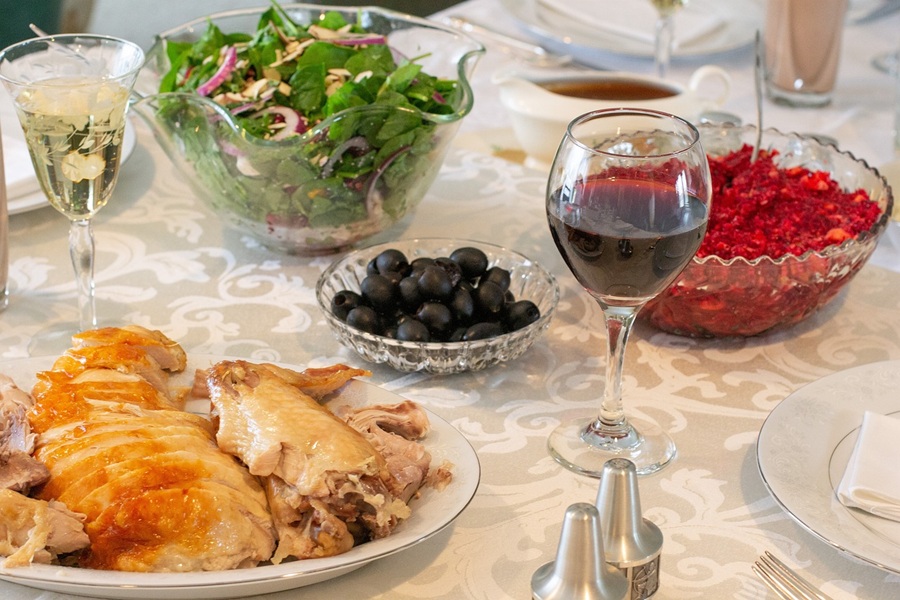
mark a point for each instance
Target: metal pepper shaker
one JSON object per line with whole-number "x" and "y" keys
{"x": 632, "y": 543}
{"x": 579, "y": 571}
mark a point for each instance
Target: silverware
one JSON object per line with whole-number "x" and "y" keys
{"x": 758, "y": 82}
{"x": 536, "y": 55}
{"x": 887, "y": 7}
{"x": 784, "y": 581}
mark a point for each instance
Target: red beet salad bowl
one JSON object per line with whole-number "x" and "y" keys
{"x": 786, "y": 233}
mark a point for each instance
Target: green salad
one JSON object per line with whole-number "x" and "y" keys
{"x": 281, "y": 145}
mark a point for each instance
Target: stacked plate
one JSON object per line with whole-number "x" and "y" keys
{"x": 610, "y": 34}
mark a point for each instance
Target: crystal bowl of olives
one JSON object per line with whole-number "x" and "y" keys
{"x": 437, "y": 305}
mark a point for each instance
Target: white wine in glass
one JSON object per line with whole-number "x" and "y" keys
{"x": 665, "y": 33}
{"x": 71, "y": 94}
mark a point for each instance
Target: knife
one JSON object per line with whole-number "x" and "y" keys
{"x": 536, "y": 55}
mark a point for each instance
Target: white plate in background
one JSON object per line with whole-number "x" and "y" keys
{"x": 560, "y": 31}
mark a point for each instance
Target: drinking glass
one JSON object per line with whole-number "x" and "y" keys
{"x": 71, "y": 93}
{"x": 628, "y": 200}
{"x": 665, "y": 33}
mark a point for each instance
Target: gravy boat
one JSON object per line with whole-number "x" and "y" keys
{"x": 540, "y": 116}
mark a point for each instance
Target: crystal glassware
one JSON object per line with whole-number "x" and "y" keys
{"x": 664, "y": 40}
{"x": 627, "y": 203}
{"x": 71, "y": 93}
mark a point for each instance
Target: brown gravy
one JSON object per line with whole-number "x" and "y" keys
{"x": 613, "y": 89}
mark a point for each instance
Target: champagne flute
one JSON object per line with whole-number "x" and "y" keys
{"x": 664, "y": 41}
{"x": 71, "y": 93}
{"x": 628, "y": 200}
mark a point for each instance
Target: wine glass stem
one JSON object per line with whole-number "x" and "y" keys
{"x": 665, "y": 38}
{"x": 81, "y": 250}
{"x": 619, "y": 321}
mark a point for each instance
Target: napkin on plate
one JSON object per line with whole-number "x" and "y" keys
{"x": 20, "y": 177}
{"x": 871, "y": 481}
{"x": 635, "y": 19}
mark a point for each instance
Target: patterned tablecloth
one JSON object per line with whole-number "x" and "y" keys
{"x": 165, "y": 261}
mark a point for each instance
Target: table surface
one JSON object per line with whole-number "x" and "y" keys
{"x": 166, "y": 262}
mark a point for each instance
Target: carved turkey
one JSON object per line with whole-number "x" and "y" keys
{"x": 328, "y": 486}
{"x": 157, "y": 492}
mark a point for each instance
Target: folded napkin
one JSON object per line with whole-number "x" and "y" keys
{"x": 871, "y": 481}
{"x": 636, "y": 19}
{"x": 20, "y": 177}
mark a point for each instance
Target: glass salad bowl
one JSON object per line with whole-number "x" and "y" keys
{"x": 332, "y": 182}
{"x": 719, "y": 295}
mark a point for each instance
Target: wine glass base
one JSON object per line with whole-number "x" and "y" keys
{"x": 650, "y": 450}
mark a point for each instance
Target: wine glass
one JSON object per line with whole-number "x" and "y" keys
{"x": 628, "y": 200}
{"x": 71, "y": 93}
{"x": 664, "y": 41}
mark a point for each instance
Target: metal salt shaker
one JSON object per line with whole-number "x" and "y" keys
{"x": 631, "y": 542}
{"x": 579, "y": 571}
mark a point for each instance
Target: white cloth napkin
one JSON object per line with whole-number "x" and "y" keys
{"x": 635, "y": 19}
{"x": 20, "y": 177}
{"x": 871, "y": 481}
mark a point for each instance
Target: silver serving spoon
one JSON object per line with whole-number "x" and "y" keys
{"x": 758, "y": 75}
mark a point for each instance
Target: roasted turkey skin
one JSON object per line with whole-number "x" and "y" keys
{"x": 156, "y": 491}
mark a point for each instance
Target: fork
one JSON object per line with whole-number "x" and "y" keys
{"x": 782, "y": 580}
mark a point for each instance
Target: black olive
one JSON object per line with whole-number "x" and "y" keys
{"x": 393, "y": 276}
{"x": 392, "y": 260}
{"x": 365, "y": 319}
{"x": 521, "y": 314}
{"x": 418, "y": 265}
{"x": 434, "y": 283}
{"x": 410, "y": 297}
{"x": 484, "y": 330}
{"x": 497, "y": 275}
{"x": 448, "y": 298}
{"x": 489, "y": 299}
{"x": 436, "y": 317}
{"x": 412, "y": 330}
{"x": 380, "y": 293}
{"x": 466, "y": 285}
{"x": 452, "y": 269}
{"x": 457, "y": 335}
{"x": 343, "y": 302}
{"x": 462, "y": 305}
{"x": 472, "y": 261}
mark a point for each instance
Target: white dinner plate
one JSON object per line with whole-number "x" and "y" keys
{"x": 561, "y": 32}
{"x": 803, "y": 449}
{"x": 431, "y": 513}
{"x": 36, "y": 199}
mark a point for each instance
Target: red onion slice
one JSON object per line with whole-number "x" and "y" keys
{"x": 219, "y": 77}
{"x": 294, "y": 122}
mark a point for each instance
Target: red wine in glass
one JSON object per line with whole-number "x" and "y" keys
{"x": 627, "y": 205}
{"x": 635, "y": 254}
